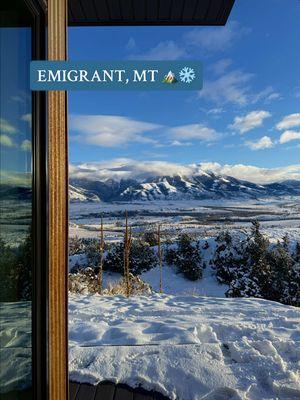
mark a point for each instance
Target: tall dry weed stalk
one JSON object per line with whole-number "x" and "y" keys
{"x": 102, "y": 244}
{"x": 159, "y": 252}
{"x": 127, "y": 247}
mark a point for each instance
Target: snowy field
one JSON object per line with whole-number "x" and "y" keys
{"x": 204, "y": 218}
{"x": 187, "y": 347}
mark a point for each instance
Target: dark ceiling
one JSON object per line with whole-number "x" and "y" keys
{"x": 149, "y": 12}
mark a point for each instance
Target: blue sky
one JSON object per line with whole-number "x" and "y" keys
{"x": 15, "y": 104}
{"x": 248, "y": 113}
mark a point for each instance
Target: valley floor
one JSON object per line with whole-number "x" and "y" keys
{"x": 187, "y": 347}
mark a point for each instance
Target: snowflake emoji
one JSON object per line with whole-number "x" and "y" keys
{"x": 187, "y": 75}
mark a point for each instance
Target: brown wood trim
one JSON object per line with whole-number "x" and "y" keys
{"x": 58, "y": 209}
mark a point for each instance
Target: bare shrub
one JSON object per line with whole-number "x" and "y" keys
{"x": 85, "y": 281}
{"x": 137, "y": 287}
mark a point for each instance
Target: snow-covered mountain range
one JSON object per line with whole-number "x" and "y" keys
{"x": 200, "y": 186}
{"x": 206, "y": 185}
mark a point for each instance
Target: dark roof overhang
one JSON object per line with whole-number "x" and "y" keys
{"x": 149, "y": 12}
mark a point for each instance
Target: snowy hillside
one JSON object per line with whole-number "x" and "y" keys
{"x": 81, "y": 195}
{"x": 187, "y": 347}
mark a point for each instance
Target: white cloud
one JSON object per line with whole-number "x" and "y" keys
{"x": 110, "y": 130}
{"x": 290, "y": 121}
{"x": 27, "y": 118}
{"x": 255, "y": 174}
{"x": 167, "y": 50}
{"x": 206, "y": 40}
{"x": 221, "y": 66}
{"x": 215, "y": 111}
{"x": 26, "y": 145}
{"x": 7, "y": 127}
{"x": 194, "y": 131}
{"x": 229, "y": 88}
{"x": 123, "y": 168}
{"x": 234, "y": 87}
{"x": 215, "y": 39}
{"x": 179, "y": 143}
{"x": 273, "y": 96}
{"x": 268, "y": 94}
{"x": 288, "y": 136}
{"x": 263, "y": 143}
{"x": 252, "y": 120}
{"x": 6, "y": 141}
{"x": 16, "y": 178}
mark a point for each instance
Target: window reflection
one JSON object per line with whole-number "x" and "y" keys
{"x": 16, "y": 205}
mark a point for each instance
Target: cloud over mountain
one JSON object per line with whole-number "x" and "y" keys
{"x": 123, "y": 168}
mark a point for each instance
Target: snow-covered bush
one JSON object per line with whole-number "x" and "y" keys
{"x": 84, "y": 281}
{"x": 76, "y": 246}
{"x": 16, "y": 271}
{"x": 229, "y": 260}
{"x": 92, "y": 251}
{"x": 141, "y": 258}
{"x": 252, "y": 267}
{"x": 186, "y": 257}
{"x": 150, "y": 237}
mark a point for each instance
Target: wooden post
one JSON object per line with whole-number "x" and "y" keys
{"x": 100, "y": 274}
{"x": 127, "y": 245}
{"x": 160, "y": 259}
{"x": 58, "y": 209}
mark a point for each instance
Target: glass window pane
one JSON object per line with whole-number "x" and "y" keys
{"x": 15, "y": 202}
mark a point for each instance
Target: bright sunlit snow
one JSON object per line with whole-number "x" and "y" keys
{"x": 187, "y": 347}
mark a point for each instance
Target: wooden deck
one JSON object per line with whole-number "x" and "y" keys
{"x": 110, "y": 391}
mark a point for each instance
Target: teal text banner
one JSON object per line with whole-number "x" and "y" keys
{"x": 116, "y": 75}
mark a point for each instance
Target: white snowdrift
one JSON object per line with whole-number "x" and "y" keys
{"x": 175, "y": 283}
{"x": 15, "y": 345}
{"x": 187, "y": 347}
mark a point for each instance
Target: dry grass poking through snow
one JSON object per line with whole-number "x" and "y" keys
{"x": 85, "y": 282}
{"x": 137, "y": 287}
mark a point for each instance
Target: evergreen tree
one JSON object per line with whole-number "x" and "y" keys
{"x": 93, "y": 253}
{"x": 141, "y": 258}
{"x": 297, "y": 253}
{"x": 186, "y": 257}
{"x": 258, "y": 263}
{"x": 229, "y": 261}
{"x": 24, "y": 268}
{"x": 16, "y": 271}
{"x": 8, "y": 280}
{"x": 282, "y": 265}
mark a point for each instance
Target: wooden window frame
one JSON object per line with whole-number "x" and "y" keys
{"x": 57, "y": 210}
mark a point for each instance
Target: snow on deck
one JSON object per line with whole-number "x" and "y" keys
{"x": 187, "y": 347}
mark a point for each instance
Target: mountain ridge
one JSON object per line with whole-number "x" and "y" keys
{"x": 180, "y": 187}
{"x": 203, "y": 186}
